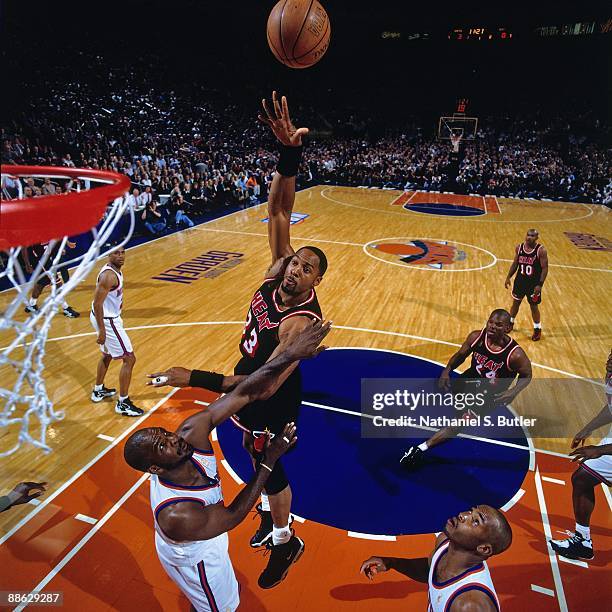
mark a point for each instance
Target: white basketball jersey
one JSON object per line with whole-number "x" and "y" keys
{"x": 442, "y": 594}
{"x": 113, "y": 303}
{"x": 164, "y": 494}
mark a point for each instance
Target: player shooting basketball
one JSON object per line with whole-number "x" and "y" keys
{"x": 281, "y": 308}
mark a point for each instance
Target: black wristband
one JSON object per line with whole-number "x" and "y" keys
{"x": 206, "y": 380}
{"x": 289, "y": 160}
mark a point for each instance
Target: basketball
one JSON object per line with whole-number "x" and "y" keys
{"x": 298, "y": 32}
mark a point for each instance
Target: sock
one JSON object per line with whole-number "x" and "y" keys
{"x": 65, "y": 305}
{"x": 537, "y": 326}
{"x": 511, "y": 319}
{"x": 32, "y": 302}
{"x": 585, "y": 532}
{"x": 280, "y": 535}
{"x": 122, "y": 398}
{"x": 265, "y": 503}
{"x": 98, "y": 387}
{"x": 423, "y": 446}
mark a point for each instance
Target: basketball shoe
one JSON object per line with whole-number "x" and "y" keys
{"x": 537, "y": 334}
{"x": 98, "y": 396}
{"x": 126, "y": 408}
{"x": 574, "y": 547}
{"x": 264, "y": 532}
{"x": 282, "y": 557}
{"x": 71, "y": 313}
{"x": 412, "y": 458}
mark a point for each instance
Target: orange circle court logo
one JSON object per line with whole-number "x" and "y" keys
{"x": 434, "y": 254}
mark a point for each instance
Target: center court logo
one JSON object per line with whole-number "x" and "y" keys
{"x": 430, "y": 253}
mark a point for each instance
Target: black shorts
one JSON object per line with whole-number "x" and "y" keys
{"x": 523, "y": 289}
{"x": 470, "y": 382}
{"x": 274, "y": 413}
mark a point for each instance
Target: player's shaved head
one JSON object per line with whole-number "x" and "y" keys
{"x": 137, "y": 451}
{"x": 500, "y": 532}
{"x": 533, "y": 232}
{"x": 500, "y": 312}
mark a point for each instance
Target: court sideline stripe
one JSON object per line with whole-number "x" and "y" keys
{"x": 75, "y": 549}
{"x": 554, "y": 562}
{"x": 82, "y": 470}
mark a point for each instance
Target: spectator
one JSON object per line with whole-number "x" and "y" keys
{"x": 153, "y": 219}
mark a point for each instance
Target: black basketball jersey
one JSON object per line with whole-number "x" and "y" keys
{"x": 260, "y": 336}
{"x": 490, "y": 364}
{"x": 529, "y": 266}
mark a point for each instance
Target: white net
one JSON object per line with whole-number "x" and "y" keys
{"x": 24, "y": 401}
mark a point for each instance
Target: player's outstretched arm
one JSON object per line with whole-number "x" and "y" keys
{"x": 192, "y": 521}
{"x": 519, "y": 362}
{"x": 282, "y": 190}
{"x": 259, "y": 385}
{"x": 599, "y": 420}
{"x": 177, "y": 376}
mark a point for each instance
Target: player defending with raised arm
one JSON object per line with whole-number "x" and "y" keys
{"x": 190, "y": 518}
{"x": 531, "y": 265}
{"x": 497, "y": 360}
{"x": 456, "y": 571}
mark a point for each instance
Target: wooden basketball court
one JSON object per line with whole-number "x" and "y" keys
{"x": 408, "y": 273}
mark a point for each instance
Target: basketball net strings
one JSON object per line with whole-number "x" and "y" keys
{"x": 26, "y": 403}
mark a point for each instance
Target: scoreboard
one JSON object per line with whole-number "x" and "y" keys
{"x": 480, "y": 33}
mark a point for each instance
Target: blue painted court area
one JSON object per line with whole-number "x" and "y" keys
{"x": 446, "y": 209}
{"x": 346, "y": 481}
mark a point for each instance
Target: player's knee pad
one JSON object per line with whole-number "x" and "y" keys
{"x": 277, "y": 480}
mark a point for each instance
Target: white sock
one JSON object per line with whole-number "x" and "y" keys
{"x": 98, "y": 387}
{"x": 122, "y": 398}
{"x": 585, "y": 532}
{"x": 32, "y": 301}
{"x": 511, "y": 319}
{"x": 265, "y": 503}
{"x": 65, "y": 305}
{"x": 537, "y": 326}
{"x": 423, "y": 446}
{"x": 280, "y": 535}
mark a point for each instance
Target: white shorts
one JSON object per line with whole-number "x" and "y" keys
{"x": 600, "y": 468}
{"x": 208, "y": 590}
{"x": 117, "y": 343}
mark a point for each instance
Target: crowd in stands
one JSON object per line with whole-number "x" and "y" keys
{"x": 207, "y": 152}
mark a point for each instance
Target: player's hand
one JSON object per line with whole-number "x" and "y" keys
{"x": 279, "y": 122}
{"x": 280, "y": 444}
{"x": 372, "y": 566}
{"x": 175, "y": 377}
{"x": 444, "y": 380}
{"x": 25, "y": 491}
{"x": 70, "y": 245}
{"x": 306, "y": 344}
{"x": 507, "y": 283}
{"x": 101, "y": 339}
{"x": 580, "y": 437}
{"x": 537, "y": 290}
{"x": 28, "y": 268}
{"x": 505, "y": 398}
{"x": 586, "y": 452}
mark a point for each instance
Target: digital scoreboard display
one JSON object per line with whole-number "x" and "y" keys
{"x": 479, "y": 33}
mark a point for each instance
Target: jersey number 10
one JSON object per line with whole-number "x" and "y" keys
{"x": 526, "y": 270}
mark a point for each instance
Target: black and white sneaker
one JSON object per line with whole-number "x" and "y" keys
{"x": 263, "y": 535}
{"x": 412, "y": 458}
{"x": 31, "y": 309}
{"x": 282, "y": 557}
{"x": 574, "y": 547}
{"x": 103, "y": 393}
{"x": 126, "y": 408}
{"x": 71, "y": 313}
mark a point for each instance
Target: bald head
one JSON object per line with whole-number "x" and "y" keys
{"x": 138, "y": 449}
{"x": 500, "y": 532}
{"x": 504, "y": 315}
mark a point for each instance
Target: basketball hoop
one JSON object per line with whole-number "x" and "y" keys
{"x": 47, "y": 219}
